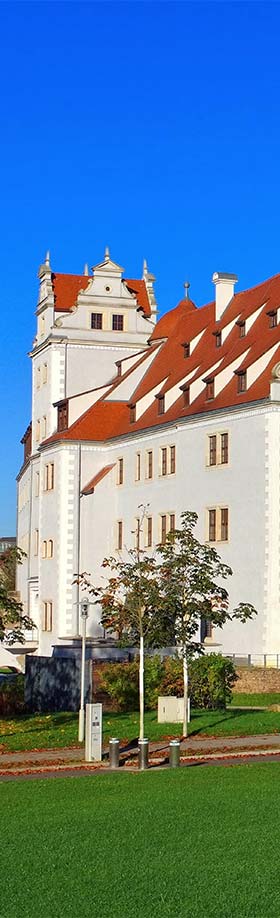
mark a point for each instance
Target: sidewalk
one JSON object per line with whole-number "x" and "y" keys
{"x": 192, "y": 749}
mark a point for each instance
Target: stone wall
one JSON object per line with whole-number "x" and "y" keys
{"x": 257, "y": 679}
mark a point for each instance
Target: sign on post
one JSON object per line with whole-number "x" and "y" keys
{"x": 93, "y": 749}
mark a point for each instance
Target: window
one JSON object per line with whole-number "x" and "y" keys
{"x": 36, "y": 541}
{"x": 242, "y": 381}
{"x": 37, "y": 431}
{"x": 120, "y": 472}
{"x": 218, "y": 524}
{"x": 44, "y": 373}
{"x": 186, "y": 395}
{"x": 164, "y": 461}
{"x": 49, "y": 477}
{"x": 47, "y": 616}
{"x": 117, "y": 323}
{"x": 138, "y": 467}
{"x": 161, "y": 407}
{"x": 163, "y": 529}
{"x": 44, "y": 427}
{"x": 171, "y": 522}
{"x": 37, "y": 484}
{"x": 44, "y": 549}
{"x": 149, "y": 531}
{"x": 219, "y": 339}
{"x": 212, "y": 525}
{"x": 62, "y": 415}
{"x": 96, "y": 320}
{"x": 172, "y": 460}
{"x": 150, "y": 463}
{"x": 38, "y": 377}
{"x": 272, "y": 318}
{"x": 224, "y": 524}
{"x": 212, "y": 450}
{"x": 50, "y": 548}
{"x": 137, "y": 533}
{"x": 119, "y": 535}
{"x": 119, "y": 368}
{"x": 210, "y": 389}
{"x": 186, "y": 347}
{"x": 206, "y": 629}
{"x": 224, "y": 448}
{"x": 242, "y": 329}
{"x": 132, "y": 414}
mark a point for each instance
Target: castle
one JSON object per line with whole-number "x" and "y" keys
{"x": 177, "y": 414}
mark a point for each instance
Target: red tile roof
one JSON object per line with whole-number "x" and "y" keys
{"x": 66, "y": 288}
{"x": 89, "y": 487}
{"x": 107, "y": 419}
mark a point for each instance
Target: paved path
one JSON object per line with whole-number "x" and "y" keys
{"x": 195, "y": 750}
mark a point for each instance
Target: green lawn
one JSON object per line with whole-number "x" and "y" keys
{"x": 57, "y": 730}
{"x": 257, "y": 698}
{"x": 188, "y": 843}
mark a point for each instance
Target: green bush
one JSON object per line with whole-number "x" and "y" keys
{"x": 12, "y": 696}
{"x": 211, "y": 678}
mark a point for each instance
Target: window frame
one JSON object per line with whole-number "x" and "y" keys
{"x": 117, "y": 319}
{"x": 98, "y": 316}
{"x": 119, "y": 540}
{"x": 120, "y": 471}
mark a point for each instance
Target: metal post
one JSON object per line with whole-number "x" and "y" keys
{"x": 114, "y": 752}
{"x": 174, "y": 753}
{"x": 143, "y": 753}
{"x": 84, "y": 615}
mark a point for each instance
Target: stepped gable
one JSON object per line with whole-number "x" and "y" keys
{"x": 66, "y": 288}
{"x": 257, "y": 352}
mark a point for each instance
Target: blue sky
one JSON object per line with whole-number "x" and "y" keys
{"x": 151, "y": 127}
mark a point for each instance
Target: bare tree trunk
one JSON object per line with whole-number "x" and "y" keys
{"x": 141, "y": 687}
{"x": 185, "y": 671}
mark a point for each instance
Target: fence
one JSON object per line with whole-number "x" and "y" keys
{"x": 264, "y": 660}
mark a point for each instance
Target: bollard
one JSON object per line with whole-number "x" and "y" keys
{"x": 114, "y": 752}
{"x": 143, "y": 753}
{"x": 174, "y": 753}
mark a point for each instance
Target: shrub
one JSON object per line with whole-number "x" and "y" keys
{"x": 12, "y": 696}
{"x": 211, "y": 679}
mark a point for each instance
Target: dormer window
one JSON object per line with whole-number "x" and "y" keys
{"x": 241, "y": 381}
{"x": 62, "y": 415}
{"x": 186, "y": 395}
{"x": 186, "y": 347}
{"x": 218, "y": 336}
{"x": 132, "y": 413}
{"x": 161, "y": 405}
{"x": 272, "y": 318}
{"x": 119, "y": 368}
{"x": 210, "y": 389}
{"x": 242, "y": 329}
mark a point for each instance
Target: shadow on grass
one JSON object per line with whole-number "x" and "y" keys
{"x": 221, "y": 718}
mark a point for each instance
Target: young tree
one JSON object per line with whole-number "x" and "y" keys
{"x": 13, "y": 622}
{"x": 190, "y": 578}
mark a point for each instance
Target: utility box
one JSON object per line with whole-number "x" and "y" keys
{"x": 170, "y": 709}
{"x": 93, "y": 750}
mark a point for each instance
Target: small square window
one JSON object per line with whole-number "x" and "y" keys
{"x": 96, "y": 320}
{"x": 117, "y": 323}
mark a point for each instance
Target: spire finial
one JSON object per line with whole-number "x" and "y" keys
{"x": 107, "y": 254}
{"x": 145, "y": 268}
{"x": 86, "y": 271}
{"x": 187, "y": 287}
{"x": 47, "y": 259}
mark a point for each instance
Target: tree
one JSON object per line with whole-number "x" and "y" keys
{"x": 190, "y": 585}
{"x": 13, "y": 621}
{"x": 131, "y": 604}
{"x": 154, "y": 601}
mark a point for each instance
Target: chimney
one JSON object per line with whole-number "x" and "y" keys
{"x": 224, "y": 284}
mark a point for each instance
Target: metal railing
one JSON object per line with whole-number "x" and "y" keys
{"x": 264, "y": 660}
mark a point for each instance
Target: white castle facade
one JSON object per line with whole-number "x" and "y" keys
{"x": 179, "y": 414}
